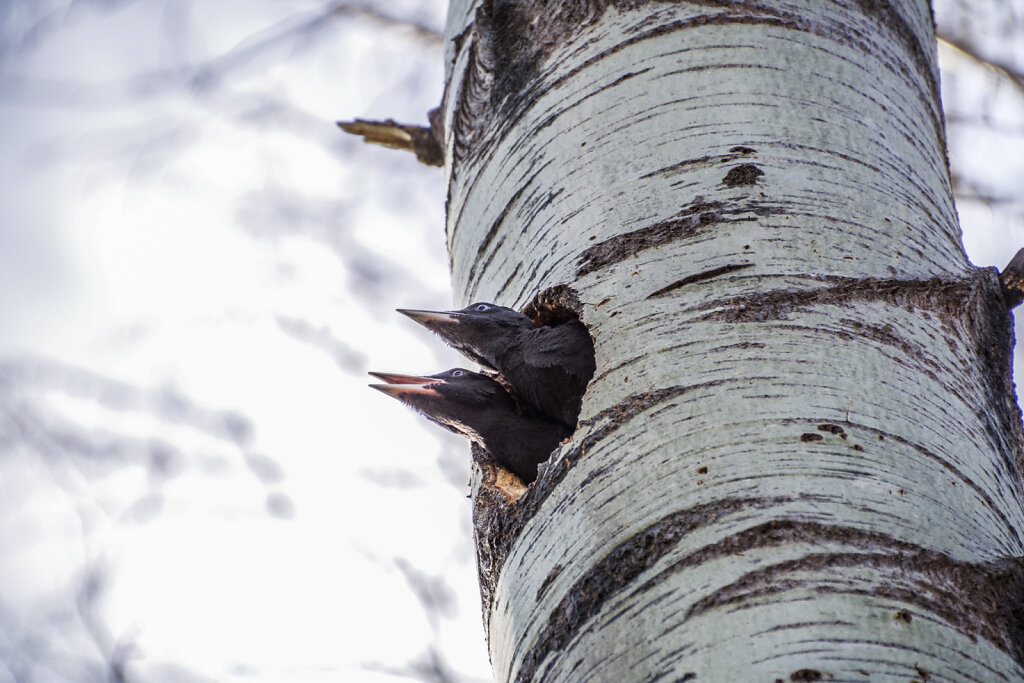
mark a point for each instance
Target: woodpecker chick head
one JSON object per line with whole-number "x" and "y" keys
{"x": 462, "y": 401}
{"x": 480, "y": 331}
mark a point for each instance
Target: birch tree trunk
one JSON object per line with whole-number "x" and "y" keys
{"x": 800, "y": 455}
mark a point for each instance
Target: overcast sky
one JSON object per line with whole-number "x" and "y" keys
{"x": 196, "y": 271}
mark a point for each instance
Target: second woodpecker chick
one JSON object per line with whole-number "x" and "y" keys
{"x": 477, "y": 407}
{"x": 549, "y": 367}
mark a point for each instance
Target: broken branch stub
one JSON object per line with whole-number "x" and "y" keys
{"x": 1012, "y": 279}
{"x": 389, "y": 133}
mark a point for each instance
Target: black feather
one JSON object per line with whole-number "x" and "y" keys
{"x": 548, "y": 367}
{"x": 477, "y": 407}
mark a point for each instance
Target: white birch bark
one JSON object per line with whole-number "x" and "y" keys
{"x": 799, "y": 457}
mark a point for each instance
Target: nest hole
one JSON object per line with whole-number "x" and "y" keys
{"x": 554, "y": 306}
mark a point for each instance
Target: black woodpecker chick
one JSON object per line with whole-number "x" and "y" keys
{"x": 548, "y": 367}
{"x": 480, "y": 409}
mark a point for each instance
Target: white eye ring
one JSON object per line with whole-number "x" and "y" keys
{"x": 483, "y": 307}
{"x": 457, "y": 373}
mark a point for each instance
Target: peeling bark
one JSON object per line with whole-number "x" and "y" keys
{"x": 800, "y": 456}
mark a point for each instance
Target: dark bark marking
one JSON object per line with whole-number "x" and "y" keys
{"x": 809, "y": 437}
{"x": 674, "y": 168}
{"x": 738, "y": 345}
{"x": 770, "y": 16}
{"x": 532, "y": 275}
{"x": 888, "y": 16}
{"x": 978, "y": 600}
{"x": 497, "y": 522}
{"x": 549, "y": 199}
{"x": 529, "y": 208}
{"x": 495, "y": 227}
{"x": 990, "y": 325}
{"x": 664, "y": 675}
{"x": 510, "y": 45}
{"x": 805, "y": 675}
{"x": 511, "y": 276}
{"x": 726, "y": 66}
{"x": 845, "y": 157}
{"x": 525, "y": 33}
{"x": 744, "y": 174}
{"x": 786, "y": 20}
{"x": 700, "y": 277}
{"x": 631, "y": 406}
{"x": 832, "y": 429}
{"x": 946, "y": 295}
{"x": 805, "y": 624}
{"x": 471, "y": 277}
{"x": 551, "y": 118}
{"x": 734, "y": 154}
{"x": 619, "y": 568}
{"x": 886, "y": 335}
{"x": 472, "y": 114}
{"x": 515, "y": 58}
{"x": 717, "y": 349}
{"x": 621, "y": 365}
{"x": 692, "y": 23}
{"x": 548, "y": 580}
{"x": 460, "y": 39}
{"x": 954, "y": 472}
{"x": 687, "y": 223}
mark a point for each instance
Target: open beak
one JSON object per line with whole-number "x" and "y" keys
{"x": 406, "y": 385}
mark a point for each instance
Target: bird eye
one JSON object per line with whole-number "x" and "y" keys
{"x": 483, "y": 307}
{"x": 457, "y": 373}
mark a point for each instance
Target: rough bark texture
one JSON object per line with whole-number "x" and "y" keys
{"x": 800, "y": 455}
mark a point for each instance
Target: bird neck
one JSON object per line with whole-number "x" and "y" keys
{"x": 512, "y": 346}
{"x": 511, "y": 438}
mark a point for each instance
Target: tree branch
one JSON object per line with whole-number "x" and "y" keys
{"x": 968, "y": 50}
{"x": 389, "y": 133}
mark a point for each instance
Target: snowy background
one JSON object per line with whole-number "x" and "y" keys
{"x": 197, "y": 268}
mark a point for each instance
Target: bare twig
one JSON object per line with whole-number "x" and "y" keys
{"x": 207, "y": 75}
{"x": 968, "y": 50}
